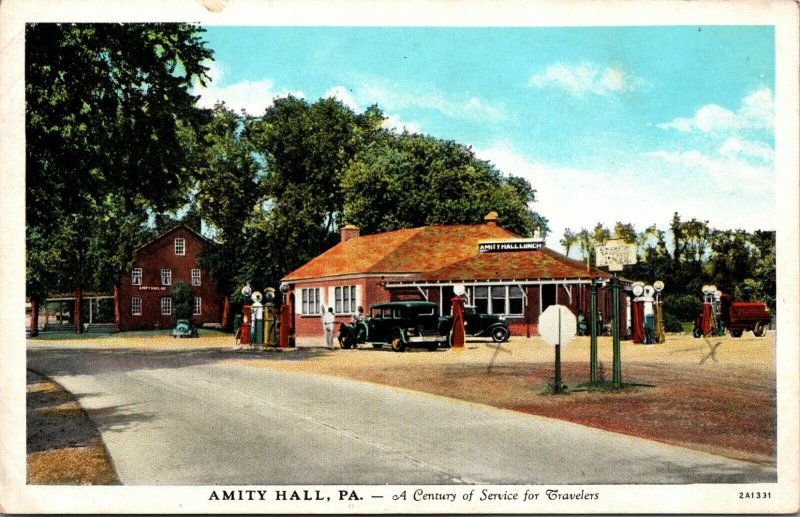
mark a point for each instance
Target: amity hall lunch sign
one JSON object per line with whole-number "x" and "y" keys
{"x": 503, "y": 246}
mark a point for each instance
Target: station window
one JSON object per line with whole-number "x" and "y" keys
{"x": 195, "y": 277}
{"x": 180, "y": 246}
{"x": 166, "y": 277}
{"x": 136, "y": 276}
{"x": 345, "y": 299}
{"x": 166, "y": 306}
{"x": 508, "y": 300}
{"x": 136, "y": 306}
{"x": 310, "y": 301}
{"x": 198, "y": 306}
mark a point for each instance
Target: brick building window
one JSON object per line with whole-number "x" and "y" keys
{"x": 136, "y": 276}
{"x": 180, "y": 246}
{"x": 345, "y": 299}
{"x": 136, "y": 306}
{"x": 310, "y": 301}
{"x": 166, "y": 277}
{"x": 198, "y": 306}
{"x": 195, "y": 277}
{"x": 166, "y": 306}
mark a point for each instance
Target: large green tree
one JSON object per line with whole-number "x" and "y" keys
{"x": 415, "y": 180}
{"x": 105, "y": 104}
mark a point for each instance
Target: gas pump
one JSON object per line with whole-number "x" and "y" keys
{"x": 710, "y": 316}
{"x": 270, "y": 320}
{"x": 284, "y": 318}
{"x": 660, "y": 334}
{"x": 457, "y": 332}
{"x": 258, "y": 319}
{"x": 244, "y": 329}
{"x": 637, "y": 323}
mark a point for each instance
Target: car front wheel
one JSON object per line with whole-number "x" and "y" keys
{"x": 759, "y": 329}
{"x": 499, "y": 335}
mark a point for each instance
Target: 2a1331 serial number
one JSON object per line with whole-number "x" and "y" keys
{"x": 755, "y": 495}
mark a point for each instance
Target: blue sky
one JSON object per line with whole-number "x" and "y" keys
{"x": 607, "y": 123}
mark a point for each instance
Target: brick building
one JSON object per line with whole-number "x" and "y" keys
{"x": 144, "y": 299}
{"x": 503, "y": 274}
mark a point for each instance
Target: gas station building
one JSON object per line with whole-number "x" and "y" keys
{"x": 503, "y": 273}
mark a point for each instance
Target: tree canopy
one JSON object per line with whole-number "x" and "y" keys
{"x": 105, "y": 107}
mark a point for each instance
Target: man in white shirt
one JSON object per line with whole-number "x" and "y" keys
{"x": 327, "y": 323}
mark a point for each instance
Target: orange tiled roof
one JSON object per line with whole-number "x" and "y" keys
{"x": 407, "y": 251}
{"x": 540, "y": 264}
{"x": 440, "y": 253}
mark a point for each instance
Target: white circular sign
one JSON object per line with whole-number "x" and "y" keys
{"x": 557, "y": 325}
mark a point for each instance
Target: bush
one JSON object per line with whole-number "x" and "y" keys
{"x": 682, "y": 307}
{"x": 671, "y": 323}
{"x": 183, "y": 301}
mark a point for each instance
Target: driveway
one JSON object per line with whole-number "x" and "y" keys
{"x": 185, "y": 418}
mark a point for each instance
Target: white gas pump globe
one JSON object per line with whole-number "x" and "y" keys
{"x": 246, "y": 290}
{"x": 658, "y": 285}
{"x": 459, "y": 290}
{"x": 284, "y": 287}
{"x": 638, "y": 289}
{"x": 256, "y": 297}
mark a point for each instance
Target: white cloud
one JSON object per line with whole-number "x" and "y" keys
{"x": 756, "y": 112}
{"x": 728, "y": 172}
{"x": 344, "y": 95}
{"x": 737, "y": 147}
{"x": 585, "y": 78}
{"x": 405, "y": 96}
{"x": 394, "y": 122}
{"x": 252, "y": 96}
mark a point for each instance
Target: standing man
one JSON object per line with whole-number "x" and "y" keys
{"x": 649, "y": 320}
{"x": 327, "y": 323}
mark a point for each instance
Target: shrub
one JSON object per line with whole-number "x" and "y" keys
{"x": 682, "y": 307}
{"x": 183, "y": 301}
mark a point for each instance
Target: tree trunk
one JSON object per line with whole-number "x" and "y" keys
{"x": 226, "y": 312}
{"x": 34, "y": 321}
{"x": 77, "y": 315}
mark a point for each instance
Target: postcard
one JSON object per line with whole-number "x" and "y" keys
{"x": 433, "y": 257}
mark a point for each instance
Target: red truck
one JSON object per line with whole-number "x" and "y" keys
{"x": 737, "y": 317}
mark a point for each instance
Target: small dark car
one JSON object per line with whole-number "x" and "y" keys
{"x": 398, "y": 324}
{"x": 479, "y": 325}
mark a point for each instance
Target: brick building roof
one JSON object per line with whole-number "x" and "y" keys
{"x": 440, "y": 253}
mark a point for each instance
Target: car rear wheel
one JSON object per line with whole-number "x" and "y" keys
{"x": 759, "y": 329}
{"x": 736, "y": 332}
{"x": 499, "y": 335}
{"x": 397, "y": 342}
{"x": 346, "y": 342}
{"x": 697, "y": 332}
{"x": 432, "y": 347}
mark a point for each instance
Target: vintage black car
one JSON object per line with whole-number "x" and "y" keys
{"x": 398, "y": 324}
{"x": 479, "y": 325}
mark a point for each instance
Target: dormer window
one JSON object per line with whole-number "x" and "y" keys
{"x": 180, "y": 246}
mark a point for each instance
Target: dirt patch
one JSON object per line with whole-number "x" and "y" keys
{"x": 63, "y": 444}
{"x": 717, "y": 396}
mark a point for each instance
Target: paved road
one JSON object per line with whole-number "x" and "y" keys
{"x": 181, "y": 418}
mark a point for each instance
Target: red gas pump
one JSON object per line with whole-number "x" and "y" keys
{"x": 284, "y": 318}
{"x": 457, "y": 332}
{"x": 244, "y": 334}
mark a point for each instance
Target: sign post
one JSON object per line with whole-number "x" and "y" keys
{"x": 557, "y": 326}
{"x": 616, "y": 254}
{"x": 593, "y": 339}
